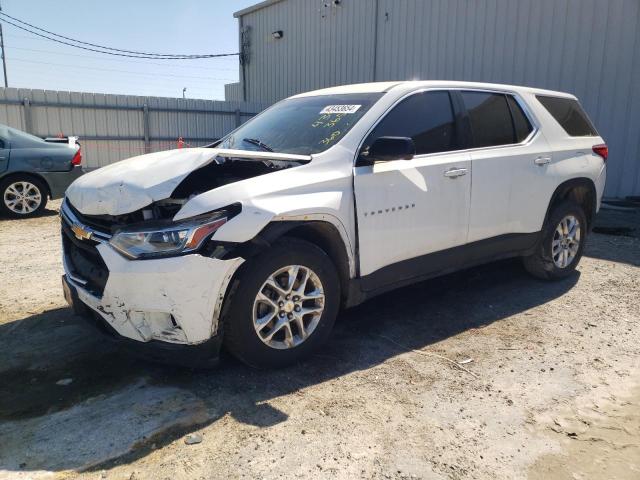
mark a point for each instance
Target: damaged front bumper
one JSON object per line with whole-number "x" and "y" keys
{"x": 201, "y": 355}
{"x": 167, "y": 303}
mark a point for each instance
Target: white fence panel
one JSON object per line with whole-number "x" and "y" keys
{"x": 113, "y": 127}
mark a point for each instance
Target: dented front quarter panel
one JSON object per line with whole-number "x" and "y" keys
{"x": 321, "y": 190}
{"x": 191, "y": 288}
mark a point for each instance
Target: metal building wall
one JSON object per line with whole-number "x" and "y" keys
{"x": 114, "y": 127}
{"x": 321, "y": 46}
{"x": 588, "y": 47}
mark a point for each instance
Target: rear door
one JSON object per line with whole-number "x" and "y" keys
{"x": 509, "y": 158}
{"x": 409, "y": 208}
{"x": 4, "y": 154}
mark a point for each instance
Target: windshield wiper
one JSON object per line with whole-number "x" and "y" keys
{"x": 258, "y": 143}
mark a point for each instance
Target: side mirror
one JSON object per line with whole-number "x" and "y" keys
{"x": 385, "y": 149}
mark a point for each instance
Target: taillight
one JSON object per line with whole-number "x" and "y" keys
{"x": 601, "y": 150}
{"x": 77, "y": 158}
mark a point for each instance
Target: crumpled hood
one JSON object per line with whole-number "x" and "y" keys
{"x": 134, "y": 183}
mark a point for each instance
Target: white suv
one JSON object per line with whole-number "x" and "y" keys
{"x": 322, "y": 201}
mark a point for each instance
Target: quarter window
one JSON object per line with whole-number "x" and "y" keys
{"x": 426, "y": 117}
{"x": 569, "y": 114}
{"x": 490, "y": 118}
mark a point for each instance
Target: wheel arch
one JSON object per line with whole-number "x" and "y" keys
{"x": 323, "y": 234}
{"x": 34, "y": 175}
{"x": 580, "y": 190}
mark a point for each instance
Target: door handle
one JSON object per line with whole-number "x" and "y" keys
{"x": 455, "y": 172}
{"x": 542, "y": 160}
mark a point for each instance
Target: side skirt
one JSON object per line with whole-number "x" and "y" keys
{"x": 435, "y": 264}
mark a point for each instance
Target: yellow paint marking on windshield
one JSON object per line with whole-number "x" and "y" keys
{"x": 330, "y": 138}
{"x": 327, "y": 121}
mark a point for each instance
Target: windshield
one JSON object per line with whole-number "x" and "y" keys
{"x": 301, "y": 125}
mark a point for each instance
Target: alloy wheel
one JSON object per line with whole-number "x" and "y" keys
{"x": 566, "y": 241}
{"x": 288, "y": 307}
{"x": 22, "y": 197}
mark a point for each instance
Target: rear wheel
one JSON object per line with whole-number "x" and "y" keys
{"x": 22, "y": 197}
{"x": 283, "y": 305}
{"x": 562, "y": 243}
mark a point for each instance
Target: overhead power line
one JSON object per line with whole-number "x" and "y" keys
{"x": 124, "y": 60}
{"x": 82, "y": 67}
{"x": 101, "y": 48}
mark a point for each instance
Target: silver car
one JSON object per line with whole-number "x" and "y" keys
{"x": 33, "y": 170}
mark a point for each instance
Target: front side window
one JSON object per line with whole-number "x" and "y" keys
{"x": 490, "y": 118}
{"x": 569, "y": 114}
{"x": 426, "y": 117}
{"x": 302, "y": 126}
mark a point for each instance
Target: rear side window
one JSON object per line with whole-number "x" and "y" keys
{"x": 569, "y": 114}
{"x": 490, "y": 118}
{"x": 521, "y": 123}
{"x": 426, "y": 117}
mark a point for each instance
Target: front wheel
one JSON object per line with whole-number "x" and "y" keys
{"x": 283, "y": 305}
{"x": 562, "y": 243}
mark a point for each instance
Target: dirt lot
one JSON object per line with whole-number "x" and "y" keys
{"x": 552, "y": 389}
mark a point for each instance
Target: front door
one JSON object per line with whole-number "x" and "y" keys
{"x": 407, "y": 209}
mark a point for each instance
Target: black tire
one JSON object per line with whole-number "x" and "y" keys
{"x": 6, "y": 183}
{"x": 541, "y": 264}
{"x": 240, "y": 337}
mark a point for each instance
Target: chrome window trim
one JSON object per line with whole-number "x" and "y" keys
{"x": 516, "y": 95}
{"x": 70, "y": 219}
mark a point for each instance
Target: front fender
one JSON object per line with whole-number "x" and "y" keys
{"x": 257, "y": 214}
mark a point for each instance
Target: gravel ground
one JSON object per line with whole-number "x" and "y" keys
{"x": 482, "y": 374}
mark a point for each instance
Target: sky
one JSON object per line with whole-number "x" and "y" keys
{"x": 161, "y": 26}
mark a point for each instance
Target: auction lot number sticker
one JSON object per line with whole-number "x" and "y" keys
{"x": 340, "y": 109}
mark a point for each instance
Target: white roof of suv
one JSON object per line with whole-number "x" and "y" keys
{"x": 411, "y": 85}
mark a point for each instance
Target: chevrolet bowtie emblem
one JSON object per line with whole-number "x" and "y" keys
{"x": 80, "y": 233}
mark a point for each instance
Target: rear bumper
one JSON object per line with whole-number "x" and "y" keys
{"x": 58, "y": 182}
{"x": 201, "y": 355}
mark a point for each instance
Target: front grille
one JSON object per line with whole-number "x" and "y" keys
{"x": 98, "y": 222}
{"x": 105, "y": 223}
{"x": 82, "y": 258}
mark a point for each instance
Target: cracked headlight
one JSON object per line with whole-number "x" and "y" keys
{"x": 167, "y": 239}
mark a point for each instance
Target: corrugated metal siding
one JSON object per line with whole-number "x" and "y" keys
{"x": 321, "y": 46}
{"x": 51, "y": 113}
{"x": 588, "y": 47}
{"x": 233, "y": 91}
